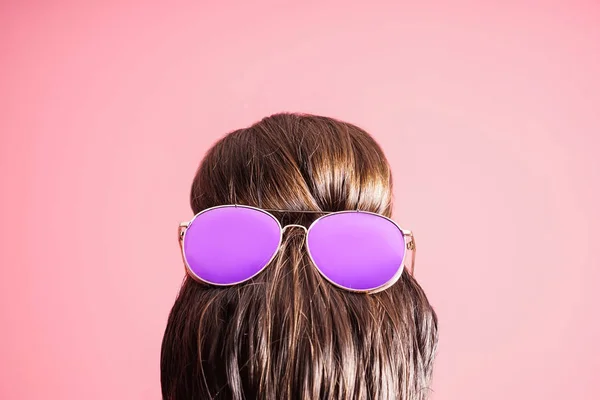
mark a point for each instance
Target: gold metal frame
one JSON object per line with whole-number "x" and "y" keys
{"x": 409, "y": 242}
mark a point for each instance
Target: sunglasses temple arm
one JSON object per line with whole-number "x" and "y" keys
{"x": 182, "y": 227}
{"x": 411, "y": 245}
{"x": 180, "y": 233}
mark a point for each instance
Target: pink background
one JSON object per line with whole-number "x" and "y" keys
{"x": 489, "y": 115}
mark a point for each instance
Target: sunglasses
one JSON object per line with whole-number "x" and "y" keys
{"x": 355, "y": 250}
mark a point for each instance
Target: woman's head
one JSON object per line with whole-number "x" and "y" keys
{"x": 288, "y": 333}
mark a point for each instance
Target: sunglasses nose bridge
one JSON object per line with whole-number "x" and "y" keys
{"x": 296, "y": 226}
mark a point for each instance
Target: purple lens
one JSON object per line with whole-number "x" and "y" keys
{"x": 228, "y": 245}
{"x": 357, "y": 250}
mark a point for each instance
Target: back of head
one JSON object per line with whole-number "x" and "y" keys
{"x": 288, "y": 333}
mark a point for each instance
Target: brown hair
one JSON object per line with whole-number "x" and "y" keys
{"x": 288, "y": 333}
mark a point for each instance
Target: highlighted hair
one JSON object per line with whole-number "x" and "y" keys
{"x": 288, "y": 333}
